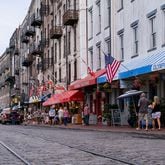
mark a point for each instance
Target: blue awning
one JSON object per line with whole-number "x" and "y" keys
{"x": 45, "y": 97}
{"x": 138, "y": 66}
{"x": 143, "y": 65}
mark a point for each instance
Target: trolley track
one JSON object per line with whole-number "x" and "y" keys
{"x": 80, "y": 149}
{"x": 19, "y": 157}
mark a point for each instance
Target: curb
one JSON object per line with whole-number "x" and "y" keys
{"x": 121, "y": 130}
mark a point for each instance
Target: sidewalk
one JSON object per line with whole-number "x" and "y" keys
{"x": 103, "y": 128}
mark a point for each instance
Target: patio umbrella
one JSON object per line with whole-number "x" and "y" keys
{"x": 129, "y": 94}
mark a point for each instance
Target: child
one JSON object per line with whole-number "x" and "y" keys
{"x": 149, "y": 114}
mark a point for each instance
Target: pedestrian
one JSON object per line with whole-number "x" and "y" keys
{"x": 86, "y": 114}
{"x": 60, "y": 115}
{"x": 156, "y": 114}
{"x": 143, "y": 110}
{"x": 65, "y": 115}
{"x": 51, "y": 115}
{"x": 149, "y": 114}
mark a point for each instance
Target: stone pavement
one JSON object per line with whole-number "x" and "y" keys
{"x": 117, "y": 129}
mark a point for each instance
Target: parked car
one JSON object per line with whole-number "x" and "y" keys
{"x": 5, "y": 116}
{"x": 15, "y": 117}
{"x": 8, "y": 116}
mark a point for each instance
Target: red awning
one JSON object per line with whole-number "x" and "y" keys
{"x": 53, "y": 100}
{"x": 87, "y": 81}
{"x": 73, "y": 95}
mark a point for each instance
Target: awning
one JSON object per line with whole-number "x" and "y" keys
{"x": 45, "y": 97}
{"x": 34, "y": 99}
{"x": 143, "y": 65}
{"x": 87, "y": 81}
{"x": 53, "y": 100}
{"x": 138, "y": 66}
{"x": 72, "y": 95}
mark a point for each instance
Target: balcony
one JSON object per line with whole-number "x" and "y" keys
{"x": 25, "y": 83}
{"x": 36, "y": 20}
{"x": 9, "y": 78}
{"x": 44, "y": 10}
{"x": 27, "y": 61}
{"x": 24, "y": 39}
{"x": 70, "y": 17}
{"x": 44, "y": 42}
{"x": 56, "y": 32}
{"x": 36, "y": 49}
{"x": 30, "y": 31}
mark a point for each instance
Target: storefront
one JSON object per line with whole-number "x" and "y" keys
{"x": 92, "y": 95}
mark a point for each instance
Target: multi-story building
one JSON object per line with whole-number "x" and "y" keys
{"x": 65, "y": 36}
{"x": 6, "y": 80}
{"x": 137, "y": 36}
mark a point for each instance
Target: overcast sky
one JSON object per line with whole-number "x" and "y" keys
{"x": 12, "y": 13}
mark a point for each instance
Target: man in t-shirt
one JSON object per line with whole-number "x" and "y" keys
{"x": 86, "y": 114}
{"x": 143, "y": 110}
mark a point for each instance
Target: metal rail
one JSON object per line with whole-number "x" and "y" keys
{"x": 82, "y": 149}
{"x": 14, "y": 153}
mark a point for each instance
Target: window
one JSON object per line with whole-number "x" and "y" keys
{"x": 69, "y": 42}
{"x": 121, "y": 39}
{"x": 107, "y": 16}
{"x": 120, "y": 5}
{"x": 75, "y": 69}
{"x": 59, "y": 74}
{"x": 52, "y": 52}
{"x": 134, "y": 26}
{"x": 69, "y": 76}
{"x": 108, "y": 45}
{"x": 90, "y": 23}
{"x": 55, "y": 53}
{"x": 59, "y": 49}
{"x": 98, "y": 56}
{"x": 91, "y": 57}
{"x": 152, "y": 17}
{"x": 75, "y": 39}
{"x": 99, "y": 16}
{"x": 64, "y": 46}
{"x": 163, "y": 13}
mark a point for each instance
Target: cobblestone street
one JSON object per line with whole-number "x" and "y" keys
{"x": 49, "y": 145}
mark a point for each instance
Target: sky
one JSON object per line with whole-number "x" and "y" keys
{"x": 12, "y": 14}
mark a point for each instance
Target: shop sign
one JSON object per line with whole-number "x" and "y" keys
{"x": 158, "y": 66}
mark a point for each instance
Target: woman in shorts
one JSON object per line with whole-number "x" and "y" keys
{"x": 156, "y": 114}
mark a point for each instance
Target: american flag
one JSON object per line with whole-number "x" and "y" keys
{"x": 112, "y": 66}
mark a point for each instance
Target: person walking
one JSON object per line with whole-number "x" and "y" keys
{"x": 51, "y": 115}
{"x": 86, "y": 114}
{"x": 143, "y": 110}
{"x": 65, "y": 115}
{"x": 60, "y": 115}
{"x": 156, "y": 114}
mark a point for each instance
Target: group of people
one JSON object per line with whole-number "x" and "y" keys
{"x": 149, "y": 111}
{"x": 58, "y": 116}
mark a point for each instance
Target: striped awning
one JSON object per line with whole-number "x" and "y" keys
{"x": 143, "y": 65}
{"x": 139, "y": 66}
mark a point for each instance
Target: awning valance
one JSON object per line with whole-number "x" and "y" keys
{"x": 143, "y": 65}
{"x": 87, "y": 81}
